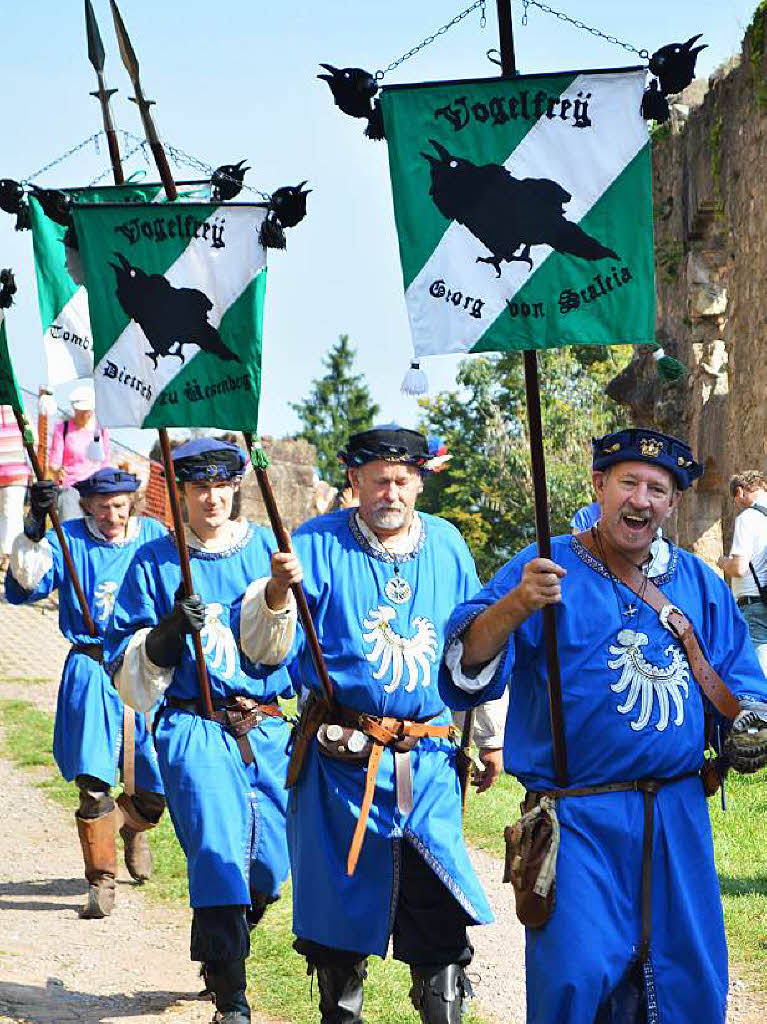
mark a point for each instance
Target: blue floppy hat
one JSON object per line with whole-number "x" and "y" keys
{"x": 108, "y": 481}
{"x": 641, "y": 444}
{"x": 208, "y": 458}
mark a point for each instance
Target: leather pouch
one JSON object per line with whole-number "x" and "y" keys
{"x": 343, "y": 742}
{"x": 532, "y": 845}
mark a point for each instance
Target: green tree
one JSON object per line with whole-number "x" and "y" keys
{"x": 486, "y": 489}
{"x": 338, "y": 405}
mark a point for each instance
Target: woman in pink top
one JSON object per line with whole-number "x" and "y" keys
{"x": 73, "y": 457}
{"x": 14, "y": 476}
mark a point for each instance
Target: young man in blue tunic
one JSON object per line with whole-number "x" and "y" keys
{"x": 94, "y": 736}
{"x": 224, "y": 778}
{"x": 637, "y": 915}
{"x": 374, "y": 826}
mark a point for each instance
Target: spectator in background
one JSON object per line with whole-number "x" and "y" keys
{"x": 746, "y": 565}
{"x": 585, "y": 518}
{"x": 78, "y": 449}
{"x": 14, "y": 477}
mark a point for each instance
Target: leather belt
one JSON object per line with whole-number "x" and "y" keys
{"x": 238, "y": 715}
{"x": 94, "y": 651}
{"x": 649, "y": 788}
{"x": 748, "y": 599}
{"x": 401, "y": 734}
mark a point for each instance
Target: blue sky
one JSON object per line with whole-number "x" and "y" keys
{"x": 236, "y": 79}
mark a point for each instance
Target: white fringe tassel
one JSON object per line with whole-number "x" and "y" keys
{"x": 47, "y": 405}
{"x": 95, "y": 450}
{"x": 415, "y": 381}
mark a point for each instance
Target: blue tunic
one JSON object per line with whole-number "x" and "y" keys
{"x": 229, "y": 817}
{"x": 632, "y": 710}
{"x": 382, "y": 656}
{"x": 88, "y": 732}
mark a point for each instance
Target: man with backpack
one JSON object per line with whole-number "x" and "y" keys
{"x": 746, "y": 565}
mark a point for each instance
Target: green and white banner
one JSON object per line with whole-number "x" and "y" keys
{"x": 63, "y": 301}
{"x": 523, "y": 210}
{"x": 9, "y": 389}
{"x": 176, "y": 297}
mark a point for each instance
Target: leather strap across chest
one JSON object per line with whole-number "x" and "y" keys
{"x": 672, "y": 618}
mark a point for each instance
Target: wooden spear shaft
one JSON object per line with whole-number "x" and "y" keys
{"x": 131, "y": 63}
{"x": 283, "y": 543}
{"x": 538, "y": 462}
{"x": 38, "y": 471}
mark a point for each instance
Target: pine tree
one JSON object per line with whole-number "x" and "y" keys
{"x": 338, "y": 405}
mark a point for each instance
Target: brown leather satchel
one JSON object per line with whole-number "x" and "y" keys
{"x": 532, "y": 845}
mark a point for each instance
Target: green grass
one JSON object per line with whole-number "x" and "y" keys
{"x": 488, "y": 814}
{"x": 277, "y": 977}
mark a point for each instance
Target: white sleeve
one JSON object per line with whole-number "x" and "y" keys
{"x": 266, "y": 636}
{"x": 139, "y": 681}
{"x": 490, "y": 723}
{"x": 30, "y": 561}
{"x": 469, "y": 683}
{"x": 743, "y": 536}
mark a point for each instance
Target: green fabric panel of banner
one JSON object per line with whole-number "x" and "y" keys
{"x": 9, "y": 389}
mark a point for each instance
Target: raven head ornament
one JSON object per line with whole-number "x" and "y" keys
{"x": 353, "y": 91}
{"x": 674, "y": 65}
{"x": 226, "y": 181}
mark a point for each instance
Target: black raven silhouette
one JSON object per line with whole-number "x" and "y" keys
{"x": 55, "y": 204}
{"x": 674, "y": 65}
{"x": 11, "y": 195}
{"x": 226, "y": 181}
{"x": 169, "y": 317}
{"x": 7, "y": 288}
{"x": 353, "y": 91}
{"x": 506, "y": 213}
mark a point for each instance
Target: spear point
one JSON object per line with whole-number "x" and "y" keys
{"x": 95, "y": 45}
{"x": 127, "y": 52}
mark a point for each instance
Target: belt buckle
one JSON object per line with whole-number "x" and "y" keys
{"x": 663, "y": 615}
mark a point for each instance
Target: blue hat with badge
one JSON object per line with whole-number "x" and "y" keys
{"x": 208, "y": 458}
{"x": 108, "y": 481}
{"x": 640, "y": 444}
{"x": 389, "y": 442}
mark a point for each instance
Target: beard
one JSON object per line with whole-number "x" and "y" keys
{"x": 384, "y": 517}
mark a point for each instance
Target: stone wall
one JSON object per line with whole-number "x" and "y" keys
{"x": 710, "y": 197}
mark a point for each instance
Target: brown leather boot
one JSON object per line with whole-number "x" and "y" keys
{"x": 97, "y": 839}
{"x": 138, "y": 855}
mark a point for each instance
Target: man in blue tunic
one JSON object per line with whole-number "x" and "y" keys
{"x": 374, "y": 827}
{"x": 637, "y": 914}
{"x": 224, "y": 778}
{"x": 93, "y": 733}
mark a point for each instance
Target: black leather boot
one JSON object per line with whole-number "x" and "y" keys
{"x": 341, "y": 992}
{"x": 225, "y": 980}
{"x": 438, "y": 993}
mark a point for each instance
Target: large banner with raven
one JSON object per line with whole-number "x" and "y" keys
{"x": 61, "y": 296}
{"x": 176, "y": 295}
{"x": 523, "y": 210}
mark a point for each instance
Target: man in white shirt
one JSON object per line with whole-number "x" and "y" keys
{"x": 747, "y": 561}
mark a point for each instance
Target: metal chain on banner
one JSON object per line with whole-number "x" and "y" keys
{"x": 381, "y": 73}
{"x": 644, "y": 54}
{"x": 60, "y": 159}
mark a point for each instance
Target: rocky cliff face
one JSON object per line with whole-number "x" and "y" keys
{"x": 710, "y": 197}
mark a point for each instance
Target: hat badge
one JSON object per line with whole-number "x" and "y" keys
{"x": 650, "y": 447}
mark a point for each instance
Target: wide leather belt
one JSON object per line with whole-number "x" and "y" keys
{"x": 95, "y": 651}
{"x": 238, "y": 715}
{"x": 400, "y": 734}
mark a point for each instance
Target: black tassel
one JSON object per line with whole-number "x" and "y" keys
{"x": 23, "y": 220}
{"x": 7, "y": 288}
{"x": 655, "y": 104}
{"x": 375, "y": 128}
{"x": 271, "y": 235}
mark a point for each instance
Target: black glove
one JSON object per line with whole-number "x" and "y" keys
{"x": 165, "y": 643}
{"x": 746, "y": 746}
{"x": 42, "y": 500}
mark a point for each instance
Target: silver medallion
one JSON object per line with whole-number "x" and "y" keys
{"x": 398, "y": 590}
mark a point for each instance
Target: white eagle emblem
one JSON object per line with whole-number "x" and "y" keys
{"x": 104, "y": 596}
{"x": 397, "y": 653}
{"x": 645, "y": 680}
{"x": 218, "y": 644}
